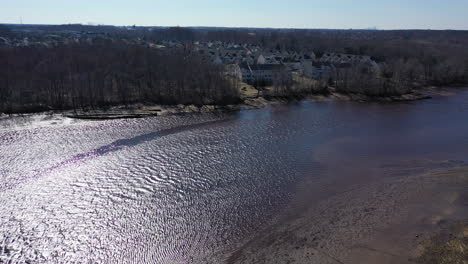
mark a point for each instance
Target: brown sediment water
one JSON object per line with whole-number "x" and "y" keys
{"x": 331, "y": 182}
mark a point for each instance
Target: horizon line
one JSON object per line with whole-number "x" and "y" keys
{"x": 233, "y": 27}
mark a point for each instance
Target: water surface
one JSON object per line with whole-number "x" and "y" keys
{"x": 180, "y": 189}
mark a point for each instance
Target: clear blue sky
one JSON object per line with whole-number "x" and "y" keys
{"x": 384, "y": 14}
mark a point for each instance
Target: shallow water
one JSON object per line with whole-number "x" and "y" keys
{"x": 179, "y": 189}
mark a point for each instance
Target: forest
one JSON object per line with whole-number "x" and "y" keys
{"x": 84, "y": 76}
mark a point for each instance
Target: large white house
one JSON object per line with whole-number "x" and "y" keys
{"x": 261, "y": 72}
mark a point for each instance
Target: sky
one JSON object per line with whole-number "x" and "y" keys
{"x": 336, "y": 14}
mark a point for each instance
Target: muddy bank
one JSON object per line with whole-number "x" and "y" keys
{"x": 249, "y": 98}
{"x": 450, "y": 245}
{"x": 415, "y": 95}
{"x": 141, "y": 111}
{"x": 366, "y": 98}
{"x": 384, "y": 222}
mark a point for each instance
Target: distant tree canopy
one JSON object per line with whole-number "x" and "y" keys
{"x": 5, "y": 31}
{"x": 174, "y": 33}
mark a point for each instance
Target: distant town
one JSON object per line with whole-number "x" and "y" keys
{"x": 246, "y": 62}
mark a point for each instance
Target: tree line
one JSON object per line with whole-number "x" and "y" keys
{"x": 84, "y": 76}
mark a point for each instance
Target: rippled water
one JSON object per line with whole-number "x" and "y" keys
{"x": 181, "y": 189}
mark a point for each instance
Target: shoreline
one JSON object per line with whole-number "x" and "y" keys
{"x": 139, "y": 110}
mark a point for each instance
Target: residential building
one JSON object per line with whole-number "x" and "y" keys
{"x": 267, "y": 73}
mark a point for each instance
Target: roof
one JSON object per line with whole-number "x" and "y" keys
{"x": 263, "y": 67}
{"x": 321, "y": 63}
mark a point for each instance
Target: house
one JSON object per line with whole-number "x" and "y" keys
{"x": 294, "y": 67}
{"x": 262, "y": 72}
{"x": 217, "y": 60}
{"x": 261, "y": 60}
{"x": 234, "y": 71}
{"x": 4, "y": 42}
{"x": 318, "y": 70}
{"x": 338, "y": 58}
{"x": 343, "y": 61}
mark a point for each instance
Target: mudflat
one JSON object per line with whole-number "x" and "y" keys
{"x": 407, "y": 217}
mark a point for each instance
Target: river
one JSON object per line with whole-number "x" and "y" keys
{"x": 185, "y": 189}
